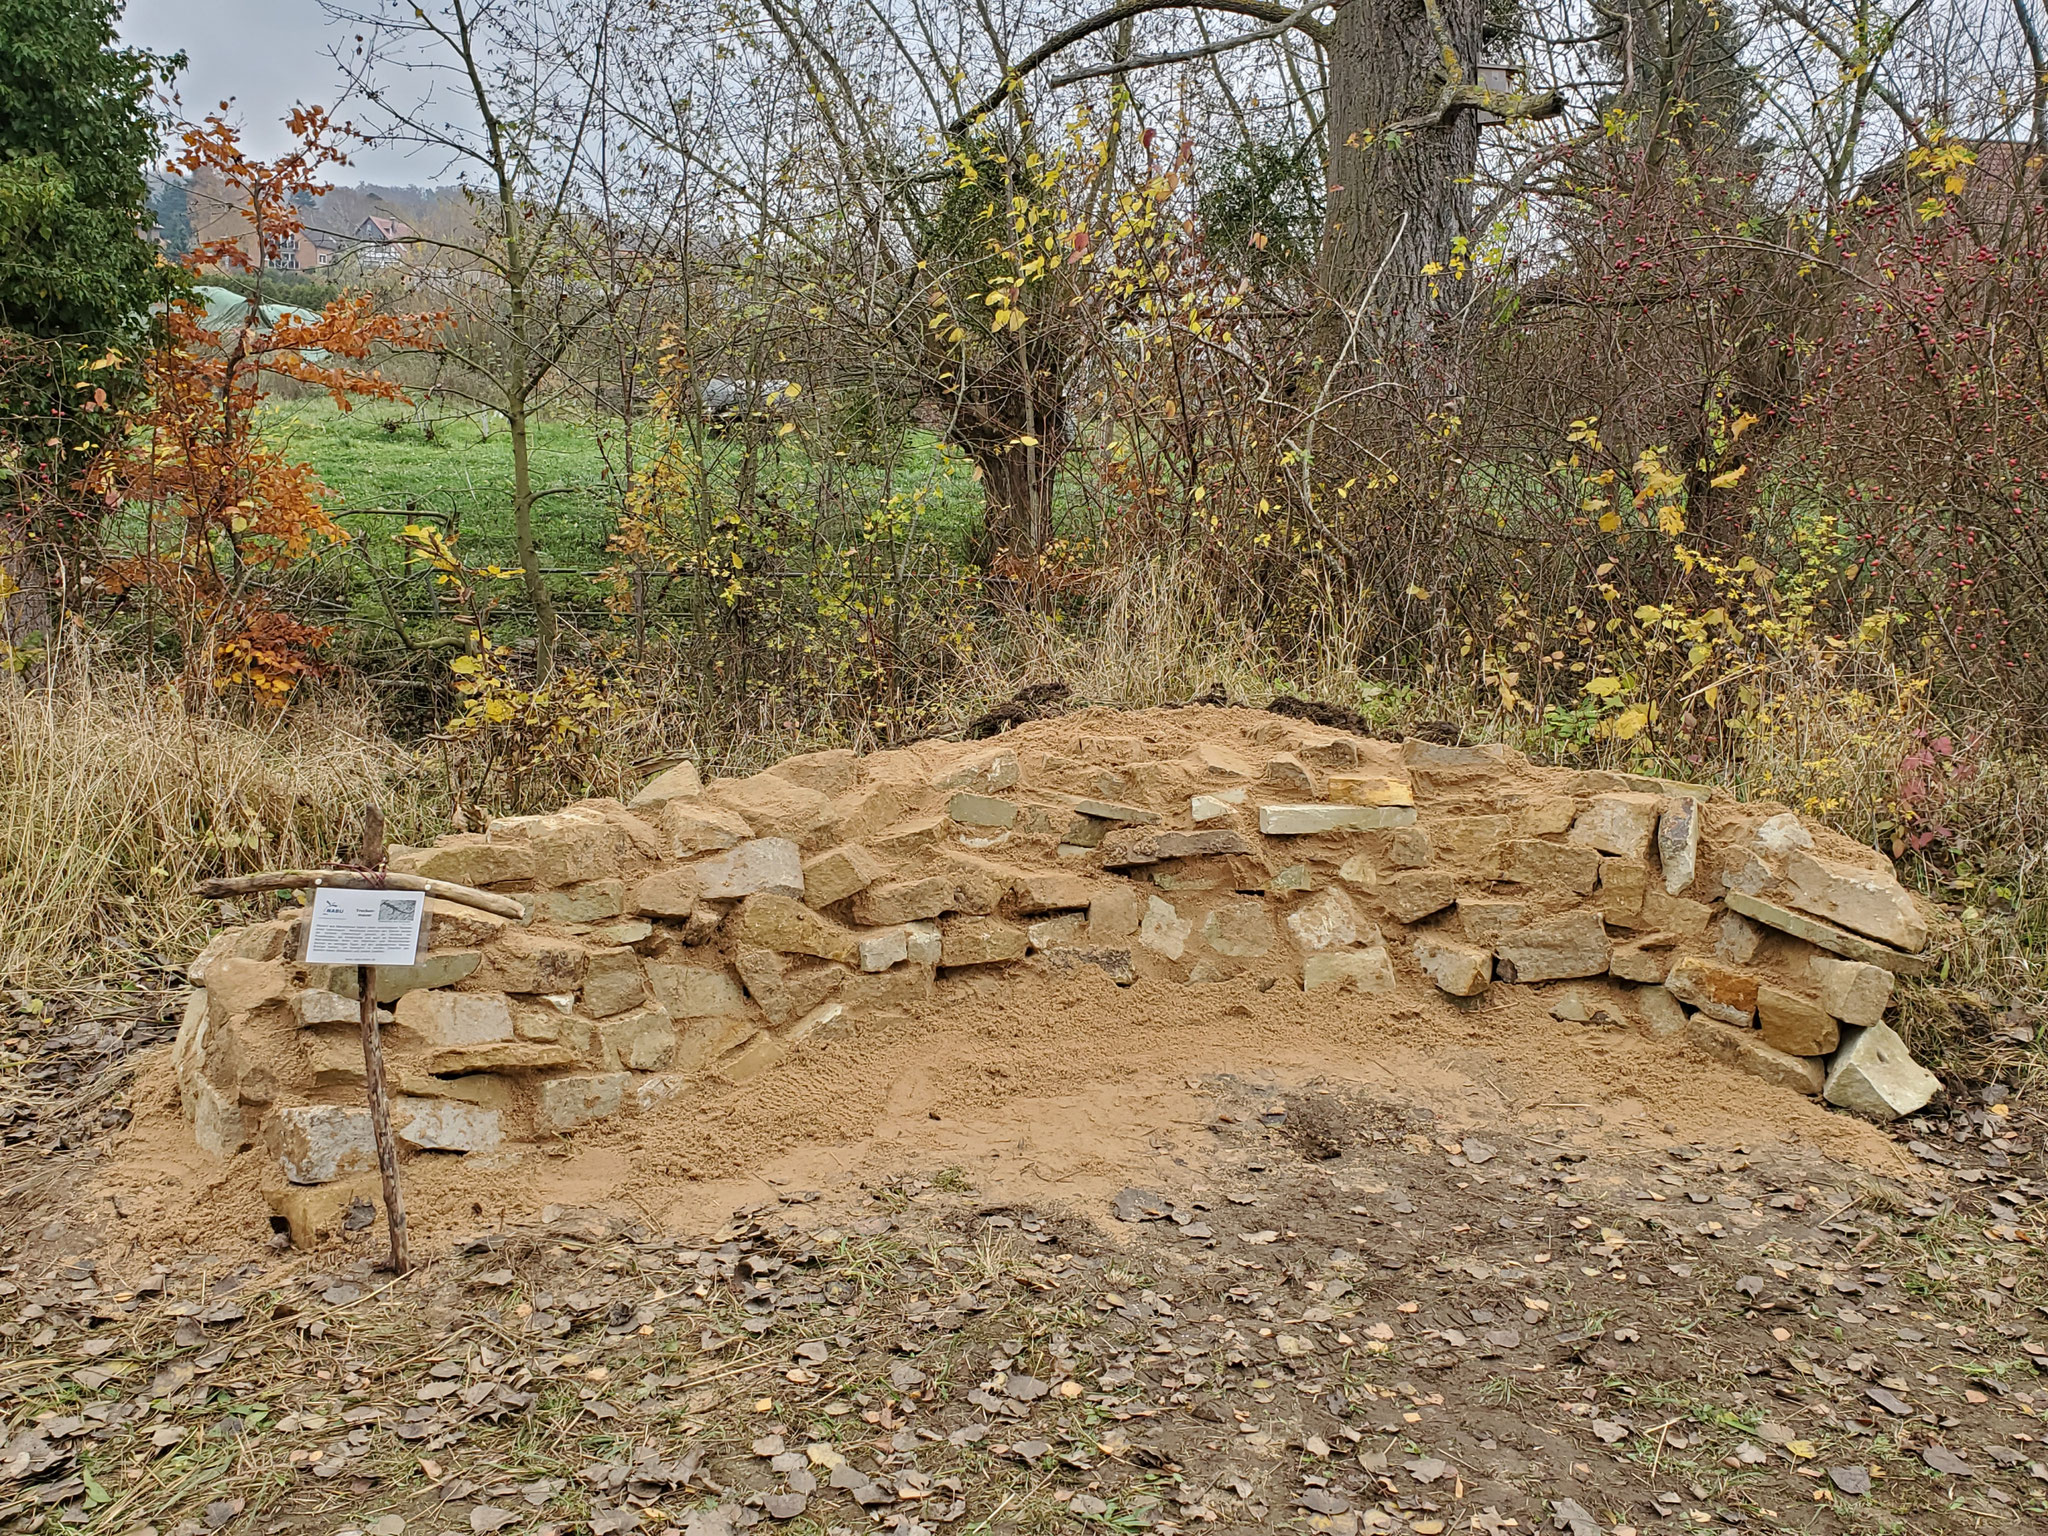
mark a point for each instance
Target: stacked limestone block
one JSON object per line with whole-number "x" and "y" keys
{"x": 714, "y": 929}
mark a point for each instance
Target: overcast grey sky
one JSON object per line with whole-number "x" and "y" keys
{"x": 266, "y": 55}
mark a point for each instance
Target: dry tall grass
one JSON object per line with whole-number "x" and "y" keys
{"x": 114, "y": 800}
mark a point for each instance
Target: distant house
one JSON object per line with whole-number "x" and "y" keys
{"x": 308, "y": 251}
{"x": 381, "y": 242}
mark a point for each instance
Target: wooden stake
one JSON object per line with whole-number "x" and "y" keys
{"x": 371, "y": 855}
{"x": 380, "y": 1118}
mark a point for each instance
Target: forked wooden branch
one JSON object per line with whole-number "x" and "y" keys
{"x": 356, "y": 880}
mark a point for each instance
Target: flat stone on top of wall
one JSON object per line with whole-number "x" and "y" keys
{"x": 1307, "y": 820}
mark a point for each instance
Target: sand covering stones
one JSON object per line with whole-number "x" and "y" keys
{"x": 710, "y": 931}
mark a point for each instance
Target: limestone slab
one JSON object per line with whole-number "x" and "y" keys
{"x": 1662, "y": 1016}
{"x": 1216, "y": 805}
{"x": 759, "y": 866}
{"x": 697, "y": 991}
{"x": 775, "y": 807}
{"x": 1114, "y": 915}
{"x": 1128, "y": 847}
{"x": 692, "y": 827}
{"x": 1741, "y": 1049}
{"x": 1794, "y": 1023}
{"x": 1113, "y": 962}
{"x": 925, "y": 942}
{"x": 1370, "y": 971}
{"x": 1622, "y": 824}
{"x": 1370, "y": 789}
{"x": 681, "y": 782}
{"x": 591, "y": 902}
{"x": 1854, "y": 991}
{"x": 972, "y": 810}
{"x": 1471, "y": 845}
{"x": 1570, "y": 867}
{"x": 1063, "y": 931}
{"x": 667, "y": 893}
{"x": 1736, "y": 939}
{"x": 468, "y": 858}
{"x": 980, "y": 941}
{"x": 1035, "y": 892}
{"x": 785, "y": 987}
{"x": 784, "y": 924}
{"x": 1408, "y": 848}
{"x": 612, "y": 983}
{"x": 1414, "y": 894}
{"x": 444, "y": 1125}
{"x": 1719, "y": 991}
{"x": 535, "y": 963}
{"x": 1865, "y": 901}
{"x": 1645, "y": 959}
{"x": 1462, "y": 970}
{"x": 444, "y": 1019}
{"x": 1484, "y": 921}
{"x": 1307, "y": 820}
{"x": 1242, "y": 929}
{"x": 1163, "y": 930}
{"x": 643, "y": 1040}
{"x": 1678, "y": 842}
{"x": 318, "y": 1143}
{"x": 881, "y": 948}
{"x": 1851, "y": 946}
{"x": 1875, "y": 1076}
{"x": 1557, "y": 948}
{"x": 501, "y": 1056}
{"x": 1329, "y": 921}
{"x": 1110, "y": 810}
{"x": 839, "y": 872}
{"x": 564, "y": 1103}
{"x": 901, "y": 901}
{"x": 1622, "y": 885}
{"x": 1675, "y": 914}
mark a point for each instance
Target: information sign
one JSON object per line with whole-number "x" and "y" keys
{"x": 364, "y": 927}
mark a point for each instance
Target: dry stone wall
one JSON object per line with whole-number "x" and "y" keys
{"x": 717, "y": 928}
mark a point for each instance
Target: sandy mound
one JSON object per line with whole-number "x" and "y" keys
{"x": 1020, "y": 957}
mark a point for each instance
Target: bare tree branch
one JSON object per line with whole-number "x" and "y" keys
{"x": 1208, "y": 50}
{"x": 1057, "y": 44}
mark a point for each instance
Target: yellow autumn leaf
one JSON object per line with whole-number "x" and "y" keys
{"x": 1649, "y": 613}
{"x": 1629, "y": 724}
{"x": 1609, "y": 521}
{"x": 1803, "y": 1449}
{"x": 1728, "y": 477}
{"x": 1604, "y": 687}
{"x": 1740, "y": 425}
{"x": 465, "y": 665}
{"x": 1418, "y": 593}
{"x": 1671, "y": 520}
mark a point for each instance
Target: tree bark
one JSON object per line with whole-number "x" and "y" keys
{"x": 1009, "y": 417}
{"x": 1386, "y": 65}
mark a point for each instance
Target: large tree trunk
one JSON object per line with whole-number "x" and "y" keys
{"x": 1009, "y": 418}
{"x": 1398, "y": 200}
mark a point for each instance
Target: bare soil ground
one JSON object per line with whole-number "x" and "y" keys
{"x": 1396, "y": 1295}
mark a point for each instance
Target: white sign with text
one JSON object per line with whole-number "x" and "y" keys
{"x": 365, "y": 927}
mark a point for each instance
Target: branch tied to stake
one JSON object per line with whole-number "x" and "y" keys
{"x": 369, "y": 874}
